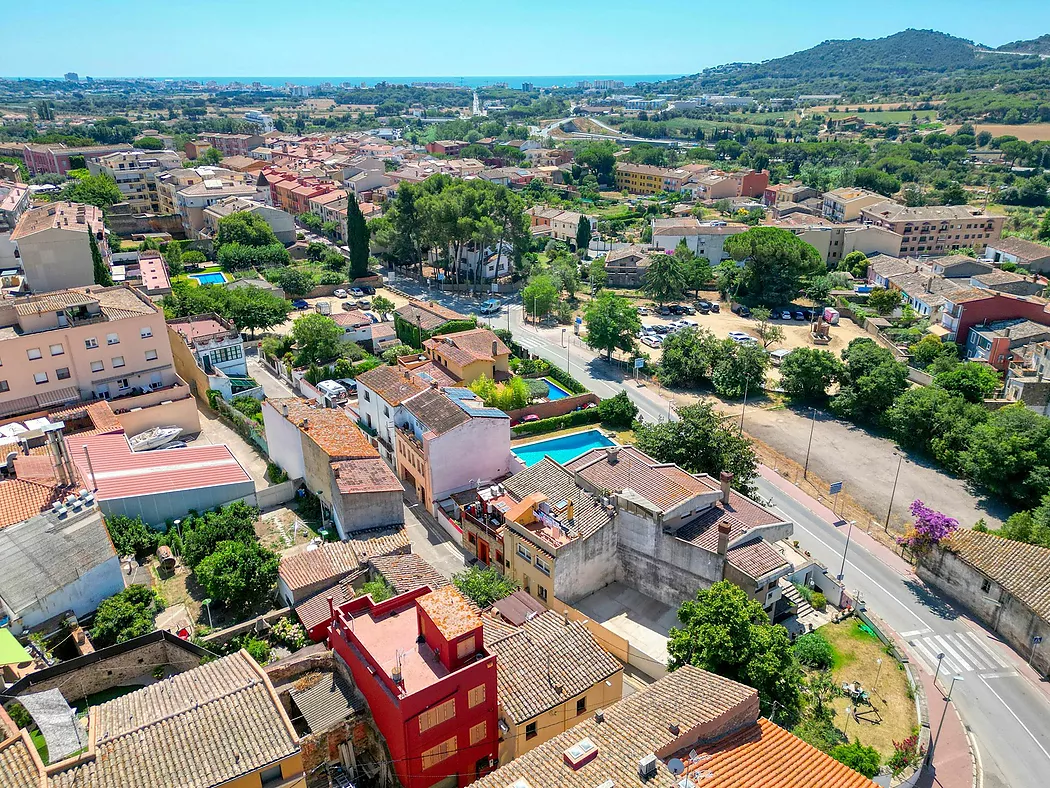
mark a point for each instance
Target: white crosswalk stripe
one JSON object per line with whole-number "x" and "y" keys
{"x": 964, "y": 652}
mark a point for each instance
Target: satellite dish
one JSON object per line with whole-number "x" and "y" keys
{"x": 675, "y": 766}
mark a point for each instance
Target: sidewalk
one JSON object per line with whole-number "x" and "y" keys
{"x": 954, "y": 764}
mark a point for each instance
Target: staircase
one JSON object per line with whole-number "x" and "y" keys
{"x": 802, "y": 607}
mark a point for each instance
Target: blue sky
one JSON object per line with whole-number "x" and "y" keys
{"x": 463, "y": 37}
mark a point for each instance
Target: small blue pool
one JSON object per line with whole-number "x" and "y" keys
{"x": 563, "y": 449}
{"x": 554, "y": 391}
{"x": 209, "y": 279}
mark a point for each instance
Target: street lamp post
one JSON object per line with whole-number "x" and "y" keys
{"x": 740, "y": 431}
{"x": 893, "y": 492}
{"x": 940, "y": 658}
{"x": 849, "y": 533}
{"x": 947, "y": 700}
{"x": 812, "y": 424}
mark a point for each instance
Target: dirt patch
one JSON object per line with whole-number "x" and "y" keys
{"x": 1029, "y": 132}
{"x": 283, "y": 530}
{"x": 891, "y": 715}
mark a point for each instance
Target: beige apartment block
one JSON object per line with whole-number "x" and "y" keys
{"x": 845, "y": 204}
{"x": 53, "y": 245}
{"x": 72, "y": 346}
{"x": 136, "y": 172}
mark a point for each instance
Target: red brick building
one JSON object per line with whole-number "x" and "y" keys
{"x": 446, "y": 147}
{"x": 56, "y": 158}
{"x": 421, "y": 663}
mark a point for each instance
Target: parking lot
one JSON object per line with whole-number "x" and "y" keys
{"x": 724, "y": 322}
{"x": 335, "y": 304}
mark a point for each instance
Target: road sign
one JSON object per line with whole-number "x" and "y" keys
{"x": 1036, "y": 640}
{"x": 579, "y": 319}
{"x": 835, "y": 488}
{"x": 639, "y": 363}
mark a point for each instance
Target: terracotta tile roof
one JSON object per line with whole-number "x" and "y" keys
{"x": 742, "y": 514}
{"x": 517, "y": 608}
{"x": 554, "y": 481}
{"x": 62, "y": 215}
{"x": 545, "y": 663}
{"x": 433, "y": 372}
{"x": 407, "y": 572}
{"x": 330, "y": 561}
{"x": 393, "y": 385}
{"x": 315, "y": 611}
{"x": 427, "y": 316}
{"x": 355, "y": 318}
{"x": 665, "y": 486}
{"x": 381, "y": 541}
{"x": 451, "y": 612}
{"x": 465, "y": 347}
{"x": 365, "y": 475}
{"x": 1026, "y": 251}
{"x": 99, "y": 414}
{"x": 202, "y": 728}
{"x": 32, "y": 491}
{"x": 330, "y": 428}
{"x": 20, "y": 766}
{"x": 1023, "y": 570}
{"x": 756, "y": 558}
{"x": 969, "y": 294}
{"x": 627, "y": 253}
{"x": 886, "y": 265}
{"x": 436, "y": 411}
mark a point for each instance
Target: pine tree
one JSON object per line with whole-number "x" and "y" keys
{"x": 356, "y": 239}
{"x": 102, "y": 275}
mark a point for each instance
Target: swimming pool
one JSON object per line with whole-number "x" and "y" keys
{"x": 209, "y": 279}
{"x": 563, "y": 449}
{"x": 554, "y": 391}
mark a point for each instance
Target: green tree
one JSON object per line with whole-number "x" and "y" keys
{"x": 209, "y": 157}
{"x": 871, "y": 381}
{"x": 934, "y": 421}
{"x": 379, "y": 589}
{"x": 612, "y": 323}
{"x": 599, "y": 157}
{"x": 767, "y": 332}
{"x": 244, "y": 228}
{"x": 775, "y": 262}
{"x": 688, "y": 358}
{"x": 1044, "y": 228}
{"x": 974, "y": 382}
{"x": 929, "y": 349}
{"x": 814, "y": 651}
{"x": 238, "y": 574}
{"x": 99, "y": 268}
{"x": 859, "y": 758}
{"x": 618, "y": 411}
{"x": 148, "y": 143}
{"x": 884, "y": 301}
{"x": 193, "y": 257}
{"x": 201, "y": 533}
{"x": 356, "y": 239}
{"x": 131, "y": 536}
{"x": 126, "y": 615}
{"x": 236, "y": 256}
{"x": 382, "y": 305}
{"x": 567, "y": 273}
{"x": 252, "y": 308}
{"x": 583, "y": 234}
{"x": 698, "y": 272}
{"x": 700, "y": 440}
{"x": 98, "y": 190}
{"x": 597, "y": 275}
{"x": 539, "y": 296}
{"x": 317, "y": 339}
{"x": 727, "y": 633}
{"x": 483, "y": 586}
{"x": 806, "y": 374}
{"x": 1009, "y": 455}
{"x": 664, "y": 278}
{"x": 740, "y": 368}
{"x": 818, "y": 288}
{"x": 295, "y": 281}
{"x": 855, "y": 264}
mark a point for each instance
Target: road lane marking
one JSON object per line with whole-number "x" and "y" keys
{"x": 1006, "y": 675}
{"x": 988, "y": 650}
{"x": 944, "y": 644}
{"x": 914, "y": 632}
{"x": 931, "y": 657}
{"x": 1014, "y": 715}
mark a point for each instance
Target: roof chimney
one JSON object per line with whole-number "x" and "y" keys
{"x": 612, "y": 454}
{"x": 726, "y": 479}
{"x": 495, "y": 344}
{"x": 284, "y": 409}
{"x": 723, "y": 538}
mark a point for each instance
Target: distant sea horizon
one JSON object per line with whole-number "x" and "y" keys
{"x": 561, "y": 80}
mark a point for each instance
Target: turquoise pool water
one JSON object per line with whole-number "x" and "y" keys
{"x": 209, "y": 279}
{"x": 554, "y": 391}
{"x": 563, "y": 449}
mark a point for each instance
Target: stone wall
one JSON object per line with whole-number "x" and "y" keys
{"x": 558, "y": 407}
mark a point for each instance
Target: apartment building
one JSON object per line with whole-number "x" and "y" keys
{"x": 53, "y": 244}
{"x": 835, "y": 241}
{"x": 421, "y": 663}
{"x": 233, "y": 144}
{"x": 14, "y": 201}
{"x": 728, "y": 185}
{"x": 73, "y": 345}
{"x": 703, "y": 239}
{"x": 845, "y": 204}
{"x": 449, "y": 442}
{"x": 136, "y": 175}
{"x": 263, "y": 121}
{"x": 935, "y": 229}
{"x": 281, "y": 222}
{"x": 647, "y": 179}
{"x": 192, "y": 201}
{"x": 446, "y": 147}
{"x": 60, "y": 159}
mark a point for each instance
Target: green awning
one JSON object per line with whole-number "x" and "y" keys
{"x": 11, "y": 651}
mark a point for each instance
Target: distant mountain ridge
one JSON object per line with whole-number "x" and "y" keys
{"x": 1032, "y": 46}
{"x": 839, "y": 66}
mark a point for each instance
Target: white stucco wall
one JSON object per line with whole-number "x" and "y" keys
{"x": 284, "y": 442}
{"x": 476, "y": 450}
{"x": 82, "y": 596}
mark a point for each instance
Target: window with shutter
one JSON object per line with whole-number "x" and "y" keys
{"x": 437, "y": 754}
{"x": 476, "y": 696}
{"x": 436, "y": 715}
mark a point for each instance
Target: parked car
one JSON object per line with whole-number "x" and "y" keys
{"x": 653, "y": 341}
{"x": 783, "y": 314}
{"x": 715, "y": 307}
{"x": 798, "y": 315}
{"x": 808, "y": 313}
{"x": 340, "y": 293}
{"x": 704, "y": 304}
{"x": 677, "y": 309}
{"x": 688, "y": 310}
{"x": 662, "y": 329}
{"x": 741, "y": 338}
{"x": 643, "y": 310}
{"x": 665, "y": 310}
{"x": 364, "y": 303}
{"x": 349, "y": 306}
{"x": 356, "y": 292}
{"x": 368, "y": 289}
{"x": 300, "y": 304}
{"x": 491, "y": 307}
{"x": 743, "y": 311}
{"x": 531, "y": 417}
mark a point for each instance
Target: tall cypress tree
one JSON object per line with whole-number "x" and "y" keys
{"x": 356, "y": 239}
{"x": 583, "y": 235}
{"x": 102, "y": 274}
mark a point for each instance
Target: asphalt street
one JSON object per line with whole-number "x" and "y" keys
{"x": 1008, "y": 716}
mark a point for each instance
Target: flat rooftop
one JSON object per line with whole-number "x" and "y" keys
{"x": 391, "y": 636}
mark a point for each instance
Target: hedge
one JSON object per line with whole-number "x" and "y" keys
{"x": 410, "y": 334}
{"x": 566, "y": 380}
{"x": 574, "y": 419}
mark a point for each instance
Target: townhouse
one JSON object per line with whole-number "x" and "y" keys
{"x": 446, "y": 147}
{"x": 192, "y": 201}
{"x": 281, "y": 222}
{"x": 717, "y": 185}
{"x": 73, "y": 345}
{"x": 935, "y": 229}
{"x": 136, "y": 175}
{"x": 54, "y": 248}
{"x": 846, "y": 203}
{"x": 209, "y": 354}
{"x": 999, "y": 343}
{"x": 626, "y": 267}
{"x": 972, "y": 306}
{"x": 1030, "y": 256}
{"x": 14, "y": 201}
{"x": 337, "y": 462}
{"x": 562, "y": 224}
{"x": 380, "y": 395}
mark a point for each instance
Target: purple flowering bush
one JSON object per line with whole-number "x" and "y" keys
{"x": 928, "y": 528}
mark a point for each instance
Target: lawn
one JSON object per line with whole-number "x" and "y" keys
{"x": 856, "y": 655}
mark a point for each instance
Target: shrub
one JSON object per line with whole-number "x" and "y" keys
{"x": 214, "y": 395}
{"x": 238, "y": 574}
{"x": 131, "y": 536}
{"x": 259, "y": 650}
{"x": 819, "y": 731}
{"x": 618, "y": 411}
{"x": 814, "y": 651}
{"x": 288, "y": 633}
{"x": 859, "y": 758}
{"x": 331, "y": 278}
{"x": 567, "y": 381}
{"x": 126, "y": 615}
{"x": 533, "y": 366}
{"x": 390, "y": 355}
{"x": 275, "y": 473}
{"x": 249, "y": 406}
{"x": 483, "y": 586}
{"x": 906, "y": 754}
{"x": 816, "y": 600}
{"x": 574, "y": 419}
{"x": 379, "y": 589}
{"x": 537, "y": 388}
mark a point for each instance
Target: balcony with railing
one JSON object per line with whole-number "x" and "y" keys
{"x": 487, "y": 523}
